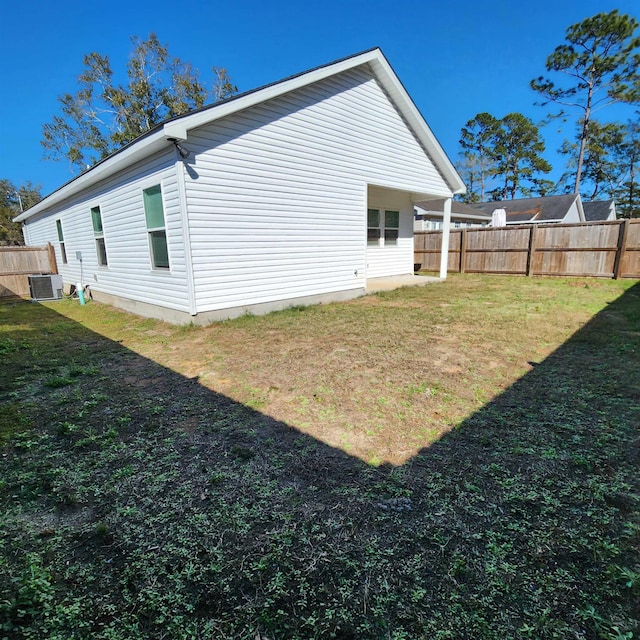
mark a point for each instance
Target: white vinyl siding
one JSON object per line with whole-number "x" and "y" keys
{"x": 395, "y": 257}
{"x": 277, "y": 194}
{"x": 123, "y": 218}
{"x": 573, "y": 215}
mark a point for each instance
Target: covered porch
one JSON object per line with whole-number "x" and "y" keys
{"x": 390, "y": 239}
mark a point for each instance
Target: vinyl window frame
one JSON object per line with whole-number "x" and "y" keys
{"x": 61, "y": 244}
{"x": 374, "y": 230}
{"x": 391, "y": 227}
{"x": 98, "y": 234}
{"x": 153, "y": 203}
{"x": 383, "y": 227}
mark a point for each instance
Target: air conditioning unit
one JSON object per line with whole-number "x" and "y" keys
{"x": 48, "y": 287}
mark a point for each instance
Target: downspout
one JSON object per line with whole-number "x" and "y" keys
{"x": 186, "y": 233}
{"x": 444, "y": 252}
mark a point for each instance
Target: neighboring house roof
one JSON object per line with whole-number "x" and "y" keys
{"x": 176, "y": 129}
{"x": 599, "y": 210}
{"x": 524, "y": 216}
{"x": 437, "y": 206}
{"x": 543, "y": 209}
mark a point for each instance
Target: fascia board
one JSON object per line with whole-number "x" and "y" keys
{"x": 403, "y": 101}
{"x": 102, "y": 170}
{"x": 179, "y": 128}
{"x": 383, "y": 72}
{"x": 470, "y": 216}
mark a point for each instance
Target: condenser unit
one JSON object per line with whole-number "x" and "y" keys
{"x": 48, "y": 287}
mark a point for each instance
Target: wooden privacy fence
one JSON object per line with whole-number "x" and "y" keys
{"x": 601, "y": 249}
{"x": 18, "y": 263}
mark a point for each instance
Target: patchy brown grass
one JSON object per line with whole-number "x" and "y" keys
{"x": 379, "y": 377}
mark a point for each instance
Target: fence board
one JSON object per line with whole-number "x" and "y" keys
{"x": 17, "y": 263}
{"x": 427, "y": 248}
{"x": 630, "y": 259}
{"x": 593, "y": 249}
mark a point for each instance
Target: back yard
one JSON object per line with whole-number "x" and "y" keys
{"x": 452, "y": 461}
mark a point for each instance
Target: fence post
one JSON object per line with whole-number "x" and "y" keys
{"x": 53, "y": 265}
{"x": 532, "y": 249}
{"x": 463, "y": 250}
{"x": 622, "y": 246}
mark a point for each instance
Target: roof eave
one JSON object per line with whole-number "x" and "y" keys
{"x": 463, "y": 214}
{"x": 138, "y": 150}
{"x": 178, "y": 128}
{"x": 383, "y": 70}
{"x": 403, "y": 100}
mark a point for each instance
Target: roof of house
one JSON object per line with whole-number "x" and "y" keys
{"x": 524, "y": 216}
{"x": 457, "y": 208}
{"x": 597, "y": 210}
{"x": 176, "y": 129}
{"x": 541, "y": 209}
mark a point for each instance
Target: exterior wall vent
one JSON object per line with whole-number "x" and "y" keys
{"x": 47, "y": 287}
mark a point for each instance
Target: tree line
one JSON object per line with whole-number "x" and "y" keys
{"x": 104, "y": 115}
{"x": 13, "y": 200}
{"x": 597, "y": 66}
{"x": 501, "y": 158}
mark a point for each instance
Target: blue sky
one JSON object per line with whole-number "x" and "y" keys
{"x": 456, "y": 58}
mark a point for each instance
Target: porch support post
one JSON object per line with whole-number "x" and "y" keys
{"x": 444, "y": 252}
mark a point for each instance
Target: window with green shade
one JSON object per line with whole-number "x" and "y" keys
{"x": 391, "y": 227}
{"x": 96, "y": 218}
{"x": 153, "y": 209}
{"x": 154, "y": 215}
{"x": 63, "y": 251}
{"x": 98, "y": 232}
{"x": 373, "y": 227}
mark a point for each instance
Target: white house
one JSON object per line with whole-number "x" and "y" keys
{"x": 429, "y": 216}
{"x": 295, "y": 193}
{"x": 599, "y": 210}
{"x": 548, "y": 209}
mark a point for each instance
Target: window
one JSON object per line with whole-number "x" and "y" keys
{"x": 154, "y": 214}
{"x": 391, "y": 227}
{"x": 101, "y": 249}
{"x": 63, "y": 251}
{"x": 383, "y": 225}
{"x": 373, "y": 227}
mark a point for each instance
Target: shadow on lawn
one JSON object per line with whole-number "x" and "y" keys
{"x": 153, "y": 507}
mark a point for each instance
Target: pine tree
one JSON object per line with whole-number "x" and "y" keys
{"x": 14, "y": 200}
{"x": 599, "y": 62}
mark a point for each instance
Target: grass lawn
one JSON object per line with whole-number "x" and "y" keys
{"x": 452, "y": 461}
